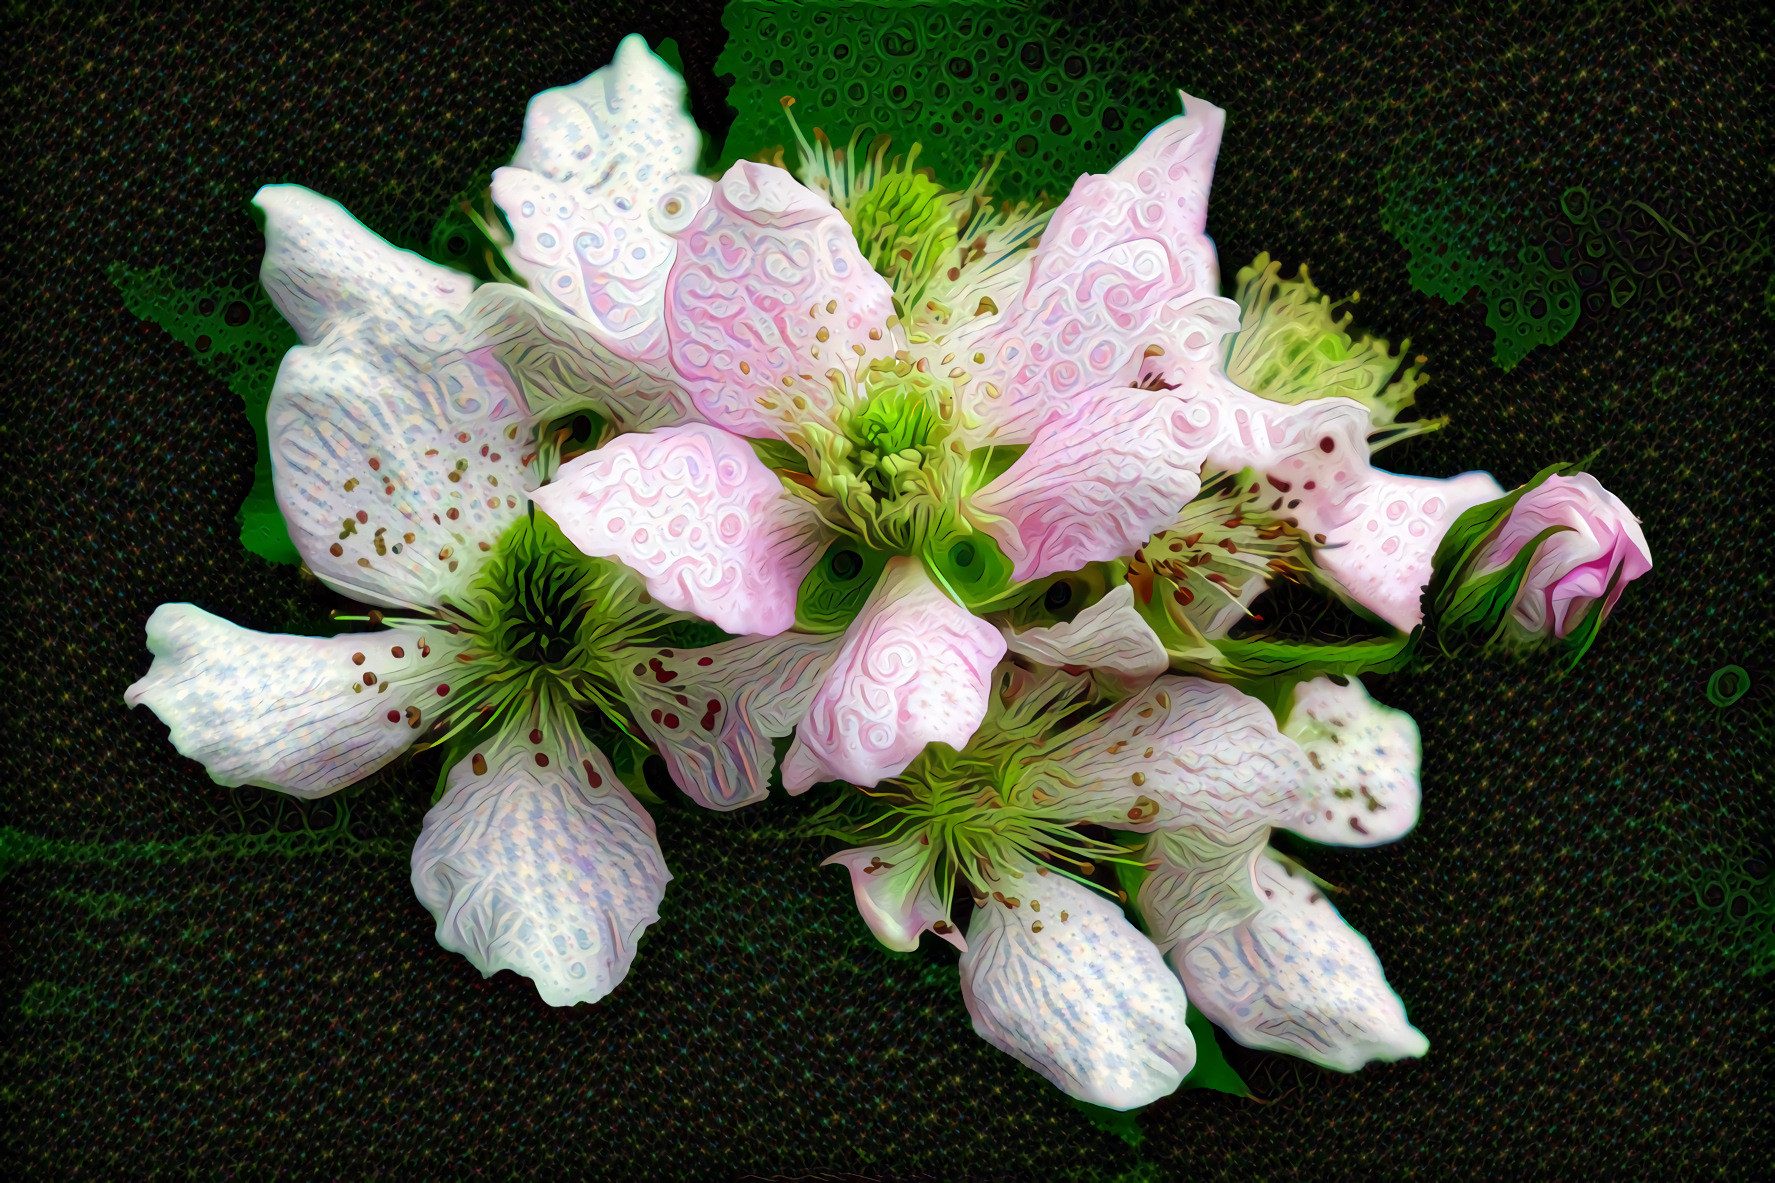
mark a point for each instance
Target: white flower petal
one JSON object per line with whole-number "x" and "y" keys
{"x": 713, "y": 712}
{"x": 699, "y": 516}
{"x": 1110, "y": 636}
{"x": 1094, "y": 486}
{"x": 1181, "y": 752}
{"x": 1376, "y": 532}
{"x": 1076, "y": 993}
{"x": 537, "y": 860}
{"x": 322, "y": 268}
{"x": 558, "y": 367}
{"x": 1296, "y": 978}
{"x": 769, "y": 293}
{"x": 395, "y": 483}
{"x": 589, "y": 196}
{"x": 914, "y": 669}
{"x": 1119, "y": 248}
{"x": 1200, "y": 884}
{"x": 303, "y": 715}
{"x": 1366, "y": 757}
{"x": 896, "y": 889}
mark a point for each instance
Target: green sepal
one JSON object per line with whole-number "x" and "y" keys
{"x": 1461, "y": 547}
{"x": 833, "y": 593}
{"x": 970, "y": 566}
{"x": 780, "y": 455}
{"x": 986, "y": 464}
{"x": 1484, "y": 602}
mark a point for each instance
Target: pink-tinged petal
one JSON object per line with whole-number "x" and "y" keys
{"x": 1293, "y": 977}
{"x": 768, "y": 293}
{"x": 396, "y": 485}
{"x": 1065, "y": 984}
{"x": 536, "y": 860}
{"x": 1572, "y": 569}
{"x": 322, "y": 268}
{"x": 1365, "y": 759}
{"x": 713, "y": 712}
{"x": 699, "y": 516}
{"x": 1095, "y": 486}
{"x": 590, "y": 196}
{"x": 1181, "y": 752}
{"x": 896, "y": 889}
{"x": 303, "y": 715}
{"x": 1119, "y": 248}
{"x": 1376, "y": 532}
{"x": 1110, "y": 636}
{"x": 914, "y": 669}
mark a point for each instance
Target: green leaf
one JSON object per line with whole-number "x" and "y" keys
{"x": 1212, "y": 1070}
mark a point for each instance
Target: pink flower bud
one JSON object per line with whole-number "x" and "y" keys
{"x": 1572, "y": 568}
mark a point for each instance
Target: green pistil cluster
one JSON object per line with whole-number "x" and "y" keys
{"x": 548, "y": 625}
{"x": 890, "y": 462}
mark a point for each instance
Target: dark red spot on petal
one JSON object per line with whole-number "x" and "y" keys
{"x": 397, "y": 651}
{"x": 375, "y": 463}
{"x": 660, "y": 672}
{"x": 535, "y": 735}
{"x": 542, "y": 761}
{"x": 394, "y": 716}
{"x": 705, "y": 661}
{"x": 592, "y": 777}
{"x": 369, "y": 678}
{"x": 672, "y": 721}
{"x": 443, "y": 689}
{"x": 1327, "y": 444}
{"x": 656, "y": 714}
{"x": 362, "y": 517}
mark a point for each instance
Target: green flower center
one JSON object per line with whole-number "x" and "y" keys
{"x": 549, "y": 624}
{"x": 891, "y": 477}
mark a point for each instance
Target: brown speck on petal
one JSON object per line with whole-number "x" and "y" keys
{"x": 351, "y": 484}
{"x": 1063, "y": 917}
{"x": 335, "y": 550}
{"x": 375, "y": 464}
{"x": 397, "y": 651}
{"x": 479, "y": 764}
{"x": 1036, "y": 927}
{"x": 414, "y": 716}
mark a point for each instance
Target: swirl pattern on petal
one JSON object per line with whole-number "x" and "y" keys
{"x": 913, "y": 670}
{"x": 1095, "y": 486}
{"x": 769, "y": 291}
{"x": 699, "y": 516}
{"x": 1119, "y": 247}
{"x": 590, "y": 196}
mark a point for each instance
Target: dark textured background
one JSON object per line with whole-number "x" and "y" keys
{"x": 183, "y": 994}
